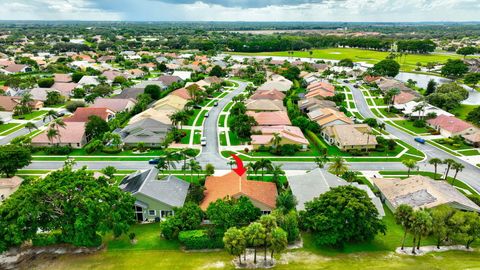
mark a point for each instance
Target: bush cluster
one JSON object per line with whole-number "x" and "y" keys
{"x": 199, "y": 239}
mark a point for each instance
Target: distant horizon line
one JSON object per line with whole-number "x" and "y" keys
{"x": 237, "y": 21}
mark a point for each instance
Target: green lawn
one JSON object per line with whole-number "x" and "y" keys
{"x": 148, "y": 238}
{"x": 388, "y": 114}
{"x": 223, "y": 139}
{"x": 186, "y": 139}
{"x": 201, "y": 118}
{"x": 221, "y": 120}
{"x": 31, "y": 115}
{"x": 227, "y": 107}
{"x": 454, "y": 146}
{"x": 379, "y": 101}
{"x": 471, "y": 152}
{"x": 197, "y": 137}
{"x": 408, "y": 63}
{"x": 234, "y": 139}
{"x": 409, "y": 125}
{"x": 5, "y": 127}
{"x": 463, "y": 110}
{"x": 191, "y": 121}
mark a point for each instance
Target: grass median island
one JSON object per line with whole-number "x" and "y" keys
{"x": 471, "y": 152}
{"x": 30, "y": 116}
{"x": 6, "y": 129}
{"x": 201, "y": 118}
{"x": 223, "y": 138}
{"x": 221, "y": 120}
{"x": 191, "y": 121}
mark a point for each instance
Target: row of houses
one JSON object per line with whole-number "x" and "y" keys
{"x": 158, "y": 198}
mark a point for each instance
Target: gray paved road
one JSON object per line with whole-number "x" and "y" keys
{"x": 470, "y": 174}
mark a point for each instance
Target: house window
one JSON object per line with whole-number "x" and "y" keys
{"x": 266, "y": 212}
{"x": 152, "y": 212}
{"x": 166, "y": 213}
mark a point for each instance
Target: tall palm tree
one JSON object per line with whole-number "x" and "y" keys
{"x": 403, "y": 217}
{"x": 449, "y": 162}
{"x": 276, "y": 139}
{"x": 265, "y": 164}
{"x": 276, "y": 173}
{"x": 458, "y": 167}
{"x": 231, "y": 163}
{"x": 338, "y": 166}
{"x": 194, "y": 167}
{"x": 410, "y": 164}
{"x": 392, "y": 93}
{"x": 50, "y": 115}
{"x": 170, "y": 158}
{"x": 25, "y": 103}
{"x": 52, "y": 133}
{"x": 435, "y": 162}
{"x": 30, "y": 126}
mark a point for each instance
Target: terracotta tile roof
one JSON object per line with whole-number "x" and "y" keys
{"x": 8, "y": 103}
{"x": 82, "y": 114}
{"x": 232, "y": 185}
{"x": 167, "y": 80}
{"x": 290, "y": 133}
{"x": 74, "y": 132}
{"x": 404, "y": 97}
{"x": 64, "y": 88}
{"x": 13, "y": 68}
{"x": 449, "y": 123}
{"x": 264, "y": 105}
{"x": 182, "y": 92}
{"x": 370, "y": 79}
{"x": 268, "y": 94}
{"x": 62, "y": 78}
{"x": 327, "y": 115}
{"x": 114, "y": 104}
{"x": 278, "y": 118}
{"x": 112, "y": 74}
{"x": 321, "y": 85}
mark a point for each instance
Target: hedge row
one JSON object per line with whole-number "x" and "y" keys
{"x": 199, "y": 239}
{"x": 314, "y": 138}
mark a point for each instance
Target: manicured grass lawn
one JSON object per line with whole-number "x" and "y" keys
{"x": 221, "y": 120}
{"x": 31, "y": 115}
{"x": 379, "y": 101}
{"x": 191, "y": 121}
{"x": 186, "y": 139}
{"x": 446, "y": 149}
{"x": 463, "y": 110}
{"x": 352, "y": 104}
{"x": 201, "y": 118}
{"x": 197, "y": 137}
{"x": 148, "y": 238}
{"x": 408, "y": 63}
{"x": 358, "y": 115}
{"x": 5, "y": 127}
{"x": 472, "y": 152}
{"x": 385, "y": 112}
{"x": 227, "y": 107}
{"x": 409, "y": 125}
{"x": 223, "y": 139}
{"x": 411, "y": 150}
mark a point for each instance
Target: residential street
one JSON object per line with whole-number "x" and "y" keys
{"x": 211, "y": 154}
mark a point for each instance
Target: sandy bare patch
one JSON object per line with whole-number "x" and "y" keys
{"x": 427, "y": 249}
{"x": 214, "y": 265}
{"x": 303, "y": 257}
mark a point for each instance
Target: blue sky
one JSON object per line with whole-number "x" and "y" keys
{"x": 242, "y": 10}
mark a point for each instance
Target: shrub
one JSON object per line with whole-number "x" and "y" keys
{"x": 46, "y": 239}
{"x": 131, "y": 236}
{"x": 419, "y": 123}
{"x": 289, "y": 149}
{"x": 316, "y": 141}
{"x": 71, "y": 106}
{"x": 111, "y": 150}
{"x": 58, "y": 150}
{"x": 93, "y": 146}
{"x": 199, "y": 239}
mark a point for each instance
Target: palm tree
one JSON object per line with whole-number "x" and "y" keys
{"x": 321, "y": 161}
{"x": 276, "y": 173}
{"x": 458, "y": 167}
{"x": 264, "y": 164}
{"x": 338, "y": 166}
{"x": 170, "y": 158}
{"x": 24, "y": 103}
{"x": 194, "y": 167}
{"x": 185, "y": 154}
{"x": 435, "y": 162}
{"x": 392, "y": 93}
{"x": 276, "y": 139}
{"x": 449, "y": 162}
{"x": 231, "y": 163}
{"x": 403, "y": 217}
{"x": 410, "y": 164}
{"x": 50, "y": 115}
{"x": 30, "y": 126}
{"x": 51, "y": 134}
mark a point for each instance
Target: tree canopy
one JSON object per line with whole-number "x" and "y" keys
{"x": 387, "y": 67}
{"x": 343, "y": 214}
{"x": 12, "y": 158}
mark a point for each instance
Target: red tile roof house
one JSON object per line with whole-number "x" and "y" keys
{"x": 182, "y": 92}
{"x": 8, "y": 103}
{"x": 72, "y": 135}
{"x": 288, "y": 135}
{"x": 16, "y": 68}
{"x": 450, "y": 126}
{"x": 404, "y": 97}
{"x": 114, "y": 104}
{"x": 320, "y": 90}
{"x": 65, "y": 88}
{"x": 262, "y": 194}
{"x": 82, "y": 114}
{"x": 112, "y": 74}
{"x": 268, "y": 94}
{"x": 278, "y": 118}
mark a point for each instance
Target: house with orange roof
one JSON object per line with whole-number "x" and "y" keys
{"x": 62, "y": 78}
{"x": 114, "y": 104}
{"x": 450, "y": 126}
{"x": 181, "y": 92}
{"x": 73, "y": 135}
{"x": 404, "y": 97}
{"x": 371, "y": 79}
{"x": 321, "y": 85}
{"x": 136, "y": 73}
{"x": 8, "y": 186}
{"x": 277, "y": 118}
{"x": 262, "y": 194}
{"x": 64, "y": 88}
{"x": 82, "y": 114}
{"x": 328, "y": 117}
{"x": 288, "y": 135}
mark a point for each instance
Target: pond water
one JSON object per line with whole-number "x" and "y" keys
{"x": 423, "y": 79}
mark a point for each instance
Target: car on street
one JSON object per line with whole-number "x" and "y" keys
{"x": 206, "y": 115}
{"x": 356, "y": 86}
{"x": 203, "y": 141}
{"x": 154, "y": 161}
{"x": 420, "y": 140}
{"x": 215, "y": 104}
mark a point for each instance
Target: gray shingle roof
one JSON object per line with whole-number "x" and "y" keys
{"x": 170, "y": 190}
{"x": 308, "y": 186}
